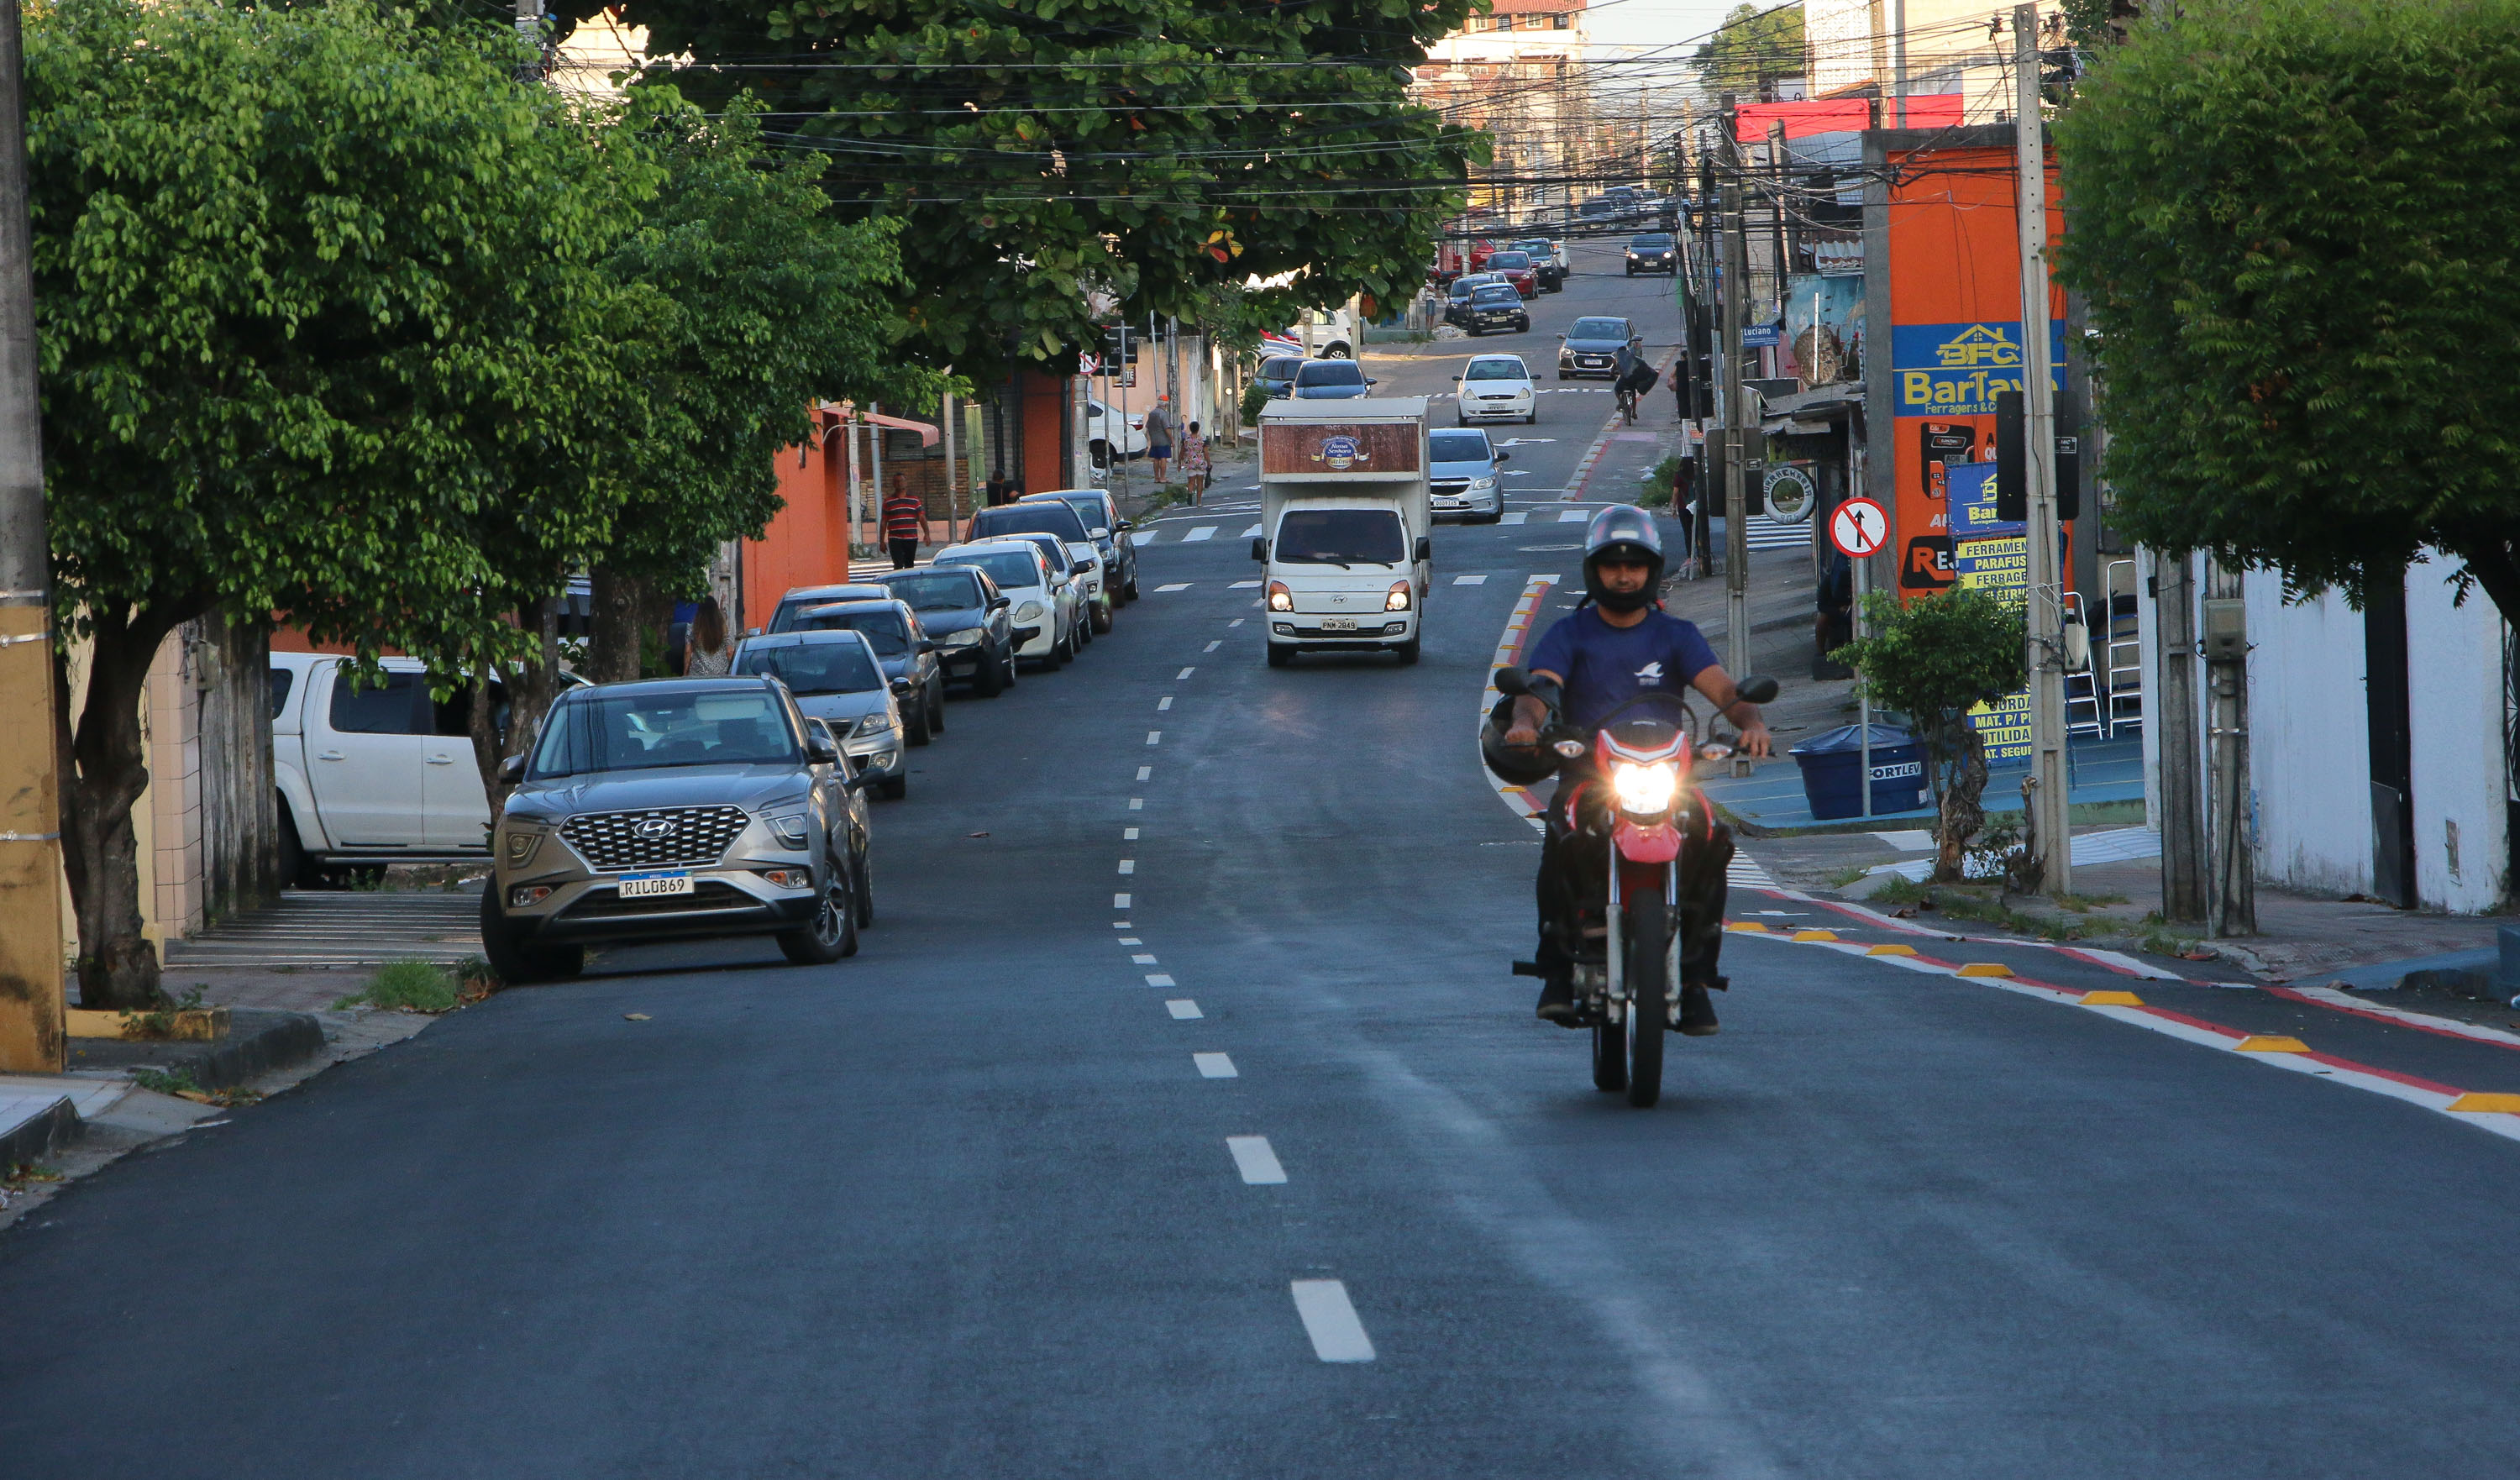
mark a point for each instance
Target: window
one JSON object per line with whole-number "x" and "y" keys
{"x": 1340, "y": 537}
{"x": 1043, "y": 517}
{"x": 394, "y": 707}
{"x": 1598, "y": 329}
{"x": 885, "y": 629}
{"x": 935, "y": 590}
{"x": 814, "y": 667}
{"x": 1510, "y": 261}
{"x": 281, "y": 681}
{"x": 1459, "y": 447}
{"x": 591, "y": 731}
{"x": 1496, "y": 370}
{"x": 1333, "y": 371}
{"x": 1007, "y": 568}
{"x": 1494, "y": 294}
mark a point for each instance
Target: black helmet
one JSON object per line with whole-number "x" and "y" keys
{"x": 1515, "y": 767}
{"x": 1625, "y": 530}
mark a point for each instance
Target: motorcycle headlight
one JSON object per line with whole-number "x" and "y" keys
{"x": 1645, "y": 790}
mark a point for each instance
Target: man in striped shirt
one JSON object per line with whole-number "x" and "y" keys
{"x": 905, "y": 519}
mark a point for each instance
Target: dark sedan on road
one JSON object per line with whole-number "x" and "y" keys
{"x": 965, "y": 615}
{"x": 1653, "y": 252}
{"x": 902, "y": 645}
{"x": 1590, "y": 347}
{"x": 1497, "y": 306}
{"x": 1456, "y": 299}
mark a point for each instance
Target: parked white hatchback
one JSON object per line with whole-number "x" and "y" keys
{"x": 1049, "y": 605}
{"x": 1495, "y": 387}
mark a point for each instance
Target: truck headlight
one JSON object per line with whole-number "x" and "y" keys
{"x": 1398, "y": 599}
{"x": 1280, "y": 598}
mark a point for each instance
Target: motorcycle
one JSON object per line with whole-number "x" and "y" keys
{"x": 1627, "y": 921}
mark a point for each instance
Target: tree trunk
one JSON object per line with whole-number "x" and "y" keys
{"x": 1963, "y": 814}
{"x": 531, "y": 693}
{"x": 623, "y": 603}
{"x": 118, "y": 967}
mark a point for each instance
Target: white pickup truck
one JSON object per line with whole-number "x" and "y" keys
{"x": 369, "y": 774}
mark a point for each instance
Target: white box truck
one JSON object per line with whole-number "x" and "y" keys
{"x": 1346, "y": 527}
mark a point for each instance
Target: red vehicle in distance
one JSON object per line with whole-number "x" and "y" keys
{"x": 1516, "y": 268}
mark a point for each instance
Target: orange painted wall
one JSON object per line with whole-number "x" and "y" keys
{"x": 1045, "y": 416}
{"x": 807, "y": 542}
{"x": 1954, "y": 259}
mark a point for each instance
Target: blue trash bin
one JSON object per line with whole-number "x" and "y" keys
{"x": 1831, "y": 761}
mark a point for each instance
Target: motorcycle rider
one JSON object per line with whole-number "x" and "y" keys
{"x": 1616, "y": 646}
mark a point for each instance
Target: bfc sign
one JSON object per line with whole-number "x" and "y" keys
{"x": 1956, "y": 369}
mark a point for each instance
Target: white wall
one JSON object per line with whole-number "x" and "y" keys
{"x": 2310, "y": 752}
{"x": 2455, "y": 682}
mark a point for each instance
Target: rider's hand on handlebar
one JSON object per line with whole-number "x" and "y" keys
{"x": 1756, "y": 740}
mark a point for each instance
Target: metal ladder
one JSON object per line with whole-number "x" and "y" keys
{"x": 2121, "y": 659}
{"x": 2086, "y": 696}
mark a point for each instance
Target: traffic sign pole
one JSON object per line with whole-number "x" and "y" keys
{"x": 1859, "y": 527}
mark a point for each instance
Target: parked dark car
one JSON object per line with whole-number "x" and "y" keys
{"x": 964, "y": 614}
{"x": 1590, "y": 347}
{"x": 1497, "y": 306}
{"x": 674, "y": 809}
{"x": 1544, "y": 263}
{"x": 1276, "y": 375}
{"x": 1519, "y": 270}
{"x": 1653, "y": 252}
{"x": 902, "y": 645}
{"x": 1111, "y": 536}
{"x": 1456, "y": 299}
{"x": 1333, "y": 380}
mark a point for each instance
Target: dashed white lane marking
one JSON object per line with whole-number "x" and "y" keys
{"x": 1175, "y": 586}
{"x": 1251, "y": 532}
{"x": 1128, "y": 834}
{"x": 1202, "y": 532}
{"x": 1163, "y": 704}
{"x": 1236, "y": 623}
{"x": 1329, "y": 1318}
{"x": 1215, "y": 1065}
{"x": 1120, "y": 902}
{"x": 1573, "y": 516}
{"x": 1128, "y": 865}
{"x": 1146, "y": 773}
{"x": 1160, "y": 979}
{"x": 1128, "y": 940}
{"x": 1255, "y": 1161}
{"x": 1185, "y": 673}
{"x": 1138, "y": 803}
{"x": 1212, "y": 646}
{"x": 1120, "y": 925}
{"x": 1243, "y": 586}
{"x": 1469, "y": 580}
{"x": 1143, "y": 958}
{"x": 1517, "y": 518}
{"x": 1183, "y": 1009}
{"x": 1154, "y": 737}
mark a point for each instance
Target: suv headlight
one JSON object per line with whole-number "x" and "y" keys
{"x": 789, "y": 827}
{"x": 522, "y": 843}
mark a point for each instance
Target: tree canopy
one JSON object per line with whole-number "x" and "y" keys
{"x": 1751, "y": 45}
{"x": 2296, "y": 223}
{"x": 1041, "y": 157}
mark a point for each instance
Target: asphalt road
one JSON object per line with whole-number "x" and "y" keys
{"x": 976, "y": 1204}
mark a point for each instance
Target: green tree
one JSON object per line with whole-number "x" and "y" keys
{"x": 1934, "y": 659}
{"x": 1044, "y": 155}
{"x": 753, "y": 302}
{"x": 1750, "y": 47}
{"x": 323, "y": 331}
{"x": 2296, "y": 224}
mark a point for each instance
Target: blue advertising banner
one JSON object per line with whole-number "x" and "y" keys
{"x": 1992, "y": 556}
{"x": 1956, "y": 370}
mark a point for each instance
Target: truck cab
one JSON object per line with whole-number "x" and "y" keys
{"x": 1346, "y": 527}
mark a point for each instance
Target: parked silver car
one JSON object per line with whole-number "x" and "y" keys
{"x": 672, "y": 809}
{"x": 835, "y": 674}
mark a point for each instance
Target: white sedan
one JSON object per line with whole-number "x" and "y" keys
{"x": 1047, "y": 604}
{"x": 1495, "y": 387}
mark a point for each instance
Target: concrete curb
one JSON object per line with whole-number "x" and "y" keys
{"x": 259, "y": 1040}
{"x": 37, "y": 1136}
{"x": 1576, "y": 481}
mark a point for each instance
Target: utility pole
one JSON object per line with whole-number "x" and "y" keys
{"x": 1736, "y": 411}
{"x": 2172, "y": 719}
{"x": 952, "y": 515}
{"x": 30, "y": 811}
{"x": 2050, "y": 817}
{"x": 2232, "y": 883}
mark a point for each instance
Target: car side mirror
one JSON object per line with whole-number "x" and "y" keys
{"x": 1259, "y": 548}
{"x": 926, "y": 646}
{"x": 1758, "y": 689}
{"x": 862, "y": 781}
{"x": 900, "y": 686}
{"x": 1370, "y": 380}
{"x": 1425, "y": 548}
{"x": 822, "y": 752}
{"x": 1001, "y": 603}
{"x": 751, "y": 631}
{"x": 512, "y": 770}
{"x": 1080, "y": 567}
{"x": 1124, "y": 526}
{"x": 1505, "y": 456}
{"x": 1457, "y": 379}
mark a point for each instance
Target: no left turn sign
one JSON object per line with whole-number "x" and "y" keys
{"x": 1859, "y": 527}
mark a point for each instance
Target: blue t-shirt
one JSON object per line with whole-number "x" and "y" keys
{"x": 1606, "y": 666}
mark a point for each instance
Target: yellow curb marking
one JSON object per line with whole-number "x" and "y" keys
{"x": 2111, "y": 1000}
{"x": 1746, "y": 927}
{"x": 1890, "y": 950}
{"x": 1815, "y": 935}
{"x": 2270, "y": 1043}
{"x": 2488, "y": 1104}
{"x": 1984, "y": 969}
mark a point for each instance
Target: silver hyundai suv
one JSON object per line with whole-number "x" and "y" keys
{"x": 672, "y": 809}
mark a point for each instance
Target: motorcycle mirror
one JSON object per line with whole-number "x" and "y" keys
{"x": 1568, "y": 748}
{"x": 1758, "y": 689}
{"x": 1511, "y": 680}
{"x": 1714, "y": 750}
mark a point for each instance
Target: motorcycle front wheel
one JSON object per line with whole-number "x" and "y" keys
{"x": 1648, "y": 948}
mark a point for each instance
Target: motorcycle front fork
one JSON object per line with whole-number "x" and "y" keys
{"x": 1614, "y": 1000}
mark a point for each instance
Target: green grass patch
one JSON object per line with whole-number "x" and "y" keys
{"x": 410, "y": 986}
{"x": 1959, "y": 902}
{"x": 167, "y": 1080}
{"x": 1845, "y": 876}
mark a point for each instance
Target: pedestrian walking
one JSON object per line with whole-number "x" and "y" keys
{"x": 1194, "y": 461}
{"x": 712, "y": 653}
{"x": 905, "y": 519}
{"x": 1159, "y": 439}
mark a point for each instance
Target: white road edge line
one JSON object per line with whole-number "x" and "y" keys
{"x": 1329, "y": 1320}
{"x": 1255, "y": 1161}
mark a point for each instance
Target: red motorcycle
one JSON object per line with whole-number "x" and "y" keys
{"x": 1624, "y": 920}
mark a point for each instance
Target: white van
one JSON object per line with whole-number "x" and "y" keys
{"x": 1346, "y": 523}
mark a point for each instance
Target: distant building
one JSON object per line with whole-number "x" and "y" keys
{"x": 1518, "y": 72}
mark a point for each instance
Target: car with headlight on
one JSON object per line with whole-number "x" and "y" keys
{"x": 1590, "y": 347}
{"x": 901, "y": 643}
{"x": 673, "y": 809}
{"x": 1495, "y": 387}
{"x": 838, "y": 676}
{"x": 966, "y": 616}
{"x": 1653, "y": 252}
{"x": 1462, "y": 477}
{"x": 1047, "y": 610}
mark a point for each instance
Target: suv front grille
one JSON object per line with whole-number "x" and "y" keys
{"x": 612, "y": 842}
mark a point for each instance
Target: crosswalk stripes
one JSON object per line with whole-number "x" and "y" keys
{"x": 1761, "y": 532}
{"x": 344, "y": 928}
{"x": 1745, "y": 871}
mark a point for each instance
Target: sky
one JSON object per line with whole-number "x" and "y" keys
{"x": 1653, "y": 22}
